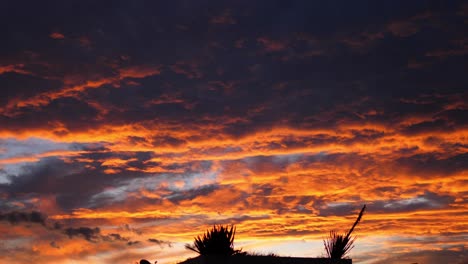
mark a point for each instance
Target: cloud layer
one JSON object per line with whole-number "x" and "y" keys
{"x": 135, "y": 126}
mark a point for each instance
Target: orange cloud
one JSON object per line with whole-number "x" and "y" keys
{"x": 139, "y": 71}
{"x": 57, "y": 35}
{"x": 17, "y": 68}
{"x": 271, "y": 45}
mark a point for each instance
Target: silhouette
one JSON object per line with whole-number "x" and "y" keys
{"x": 216, "y": 246}
{"x": 337, "y": 246}
{"x": 217, "y": 241}
{"x": 258, "y": 259}
{"x": 144, "y": 261}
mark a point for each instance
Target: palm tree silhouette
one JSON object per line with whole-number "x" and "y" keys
{"x": 144, "y": 261}
{"x": 337, "y": 246}
{"x": 217, "y": 241}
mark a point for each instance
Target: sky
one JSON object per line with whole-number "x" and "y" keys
{"x": 129, "y": 127}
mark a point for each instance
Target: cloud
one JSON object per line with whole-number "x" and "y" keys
{"x": 224, "y": 19}
{"x": 238, "y": 219}
{"x": 448, "y": 52}
{"x": 281, "y": 118}
{"x": 131, "y": 243}
{"x": 139, "y": 71}
{"x": 13, "y": 68}
{"x": 23, "y": 217}
{"x": 428, "y": 127}
{"x": 127, "y": 227}
{"x": 428, "y": 165}
{"x": 161, "y": 141}
{"x": 57, "y": 35}
{"x": 428, "y": 257}
{"x": 115, "y": 237}
{"x": 54, "y": 245}
{"x": 178, "y": 196}
{"x": 403, "y": 28}
{"x": 90, "y": 234}
{"x": 189, "y": 69}
{"x": 161, "y": 243}
{"x": 270, "y": 45}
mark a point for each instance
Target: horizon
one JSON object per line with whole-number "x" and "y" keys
{"x": 129, "y": 128}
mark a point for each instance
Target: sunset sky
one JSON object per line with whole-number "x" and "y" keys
{"x": 129, "y": 127}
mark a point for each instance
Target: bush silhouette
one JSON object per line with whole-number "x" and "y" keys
{"x": 217, "y": 241}
{"x": 337, "y": 246}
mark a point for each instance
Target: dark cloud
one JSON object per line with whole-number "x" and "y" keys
{"x": 428, "y": 127}
{"x": 131, "y": 243}
{"x": 74, "y": 184}
{"x": 161, "y": 243}
{"x": 54, "y": 245}
{"x": 94, "y": 235}
{"x": 20, "y": 86}
{"x": 90, "y": 234}
{"x": 24, "y": 217}
{"x": 116, "y": 237}
{"x": 238, "y": 219}
{"x": 50, "y": 176}
{"x": 338, "y": 209}
{"x": 90, "y": 147}
{"x": 127, "y": 227}
{"x": 429, "y": 165}
{"x": 178, "y": 196}
{"x": 160, "y": 141}
{"x": 130, "y": 102}
{"x": 457, "y": 117}
{"x": 426, "y": 201}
